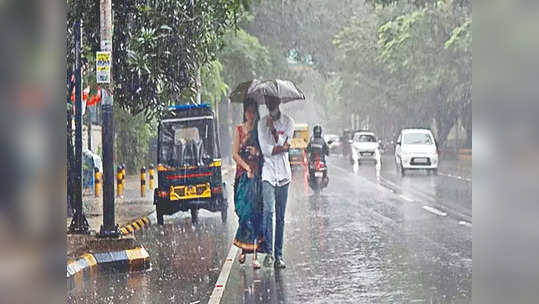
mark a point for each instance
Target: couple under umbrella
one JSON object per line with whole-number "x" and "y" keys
{"x": 253, "y": 190}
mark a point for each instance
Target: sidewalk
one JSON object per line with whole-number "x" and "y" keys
{"x": 128, "y": 208}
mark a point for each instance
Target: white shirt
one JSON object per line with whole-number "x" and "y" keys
{"x": 276, "y": 168}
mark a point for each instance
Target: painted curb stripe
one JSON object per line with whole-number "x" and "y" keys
{"x": 89, "y": 259}
{"x": 115, "y": 260}
{"x": 219, "y": 289}
{"x": 139, "y": 259}
{"x": 140, "y": 223}
{"x": 136, "y": 225}
{"x": 146, "y": 220}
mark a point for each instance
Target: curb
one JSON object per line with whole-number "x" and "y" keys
{"x": 89, "y": 264}
{"x": 135, "y": 225}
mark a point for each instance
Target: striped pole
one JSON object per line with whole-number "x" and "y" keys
{"x": 151, "y": 177}
{"x": 143, "y": 181}
{"x": 119, "y": 185}
{"x": 97, "y": 182}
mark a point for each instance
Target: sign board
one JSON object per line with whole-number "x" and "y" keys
{"x": 103, "y": 62}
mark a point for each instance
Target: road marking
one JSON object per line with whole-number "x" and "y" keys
{"x": 464, "y": 223}
{"x": 434, "y": 210}
{"x": 220, "y": 285}
{"x": 457, "y": 177}
{"x": 406, "y": 198}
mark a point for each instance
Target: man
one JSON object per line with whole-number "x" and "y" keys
{"x": 274, "y": 131}
{"x": 317, "y": 145}
{"x": 317, "y": 149}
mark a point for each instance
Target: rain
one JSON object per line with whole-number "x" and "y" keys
{"x": 390, "y": 218}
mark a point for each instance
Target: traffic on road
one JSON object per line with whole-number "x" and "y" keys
{"x": 371, "y": 236}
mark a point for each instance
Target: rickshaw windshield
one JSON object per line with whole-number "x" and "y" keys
{"x": 186, "y": 142}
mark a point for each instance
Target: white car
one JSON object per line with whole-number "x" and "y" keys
{"x": 416, "y": 149}
{"x": 365, "y": 147}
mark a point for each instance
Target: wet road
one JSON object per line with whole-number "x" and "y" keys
{"x": 373, "y": 236}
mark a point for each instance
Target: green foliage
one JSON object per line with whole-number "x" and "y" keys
{"x": 158, "y": 46}
{"x": 410, "y": 63}
{"x": 213, "y": 85}
{"x": 243, "y": 57}
{"x": 305, "y": 27}
{"x": 133, "y": 136}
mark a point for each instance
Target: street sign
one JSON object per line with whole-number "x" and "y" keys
{"x": 103, "y": 63}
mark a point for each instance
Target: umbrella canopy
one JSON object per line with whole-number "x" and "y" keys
{"x": 282, "y": 90}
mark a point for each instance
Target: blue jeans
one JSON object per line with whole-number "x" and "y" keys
{"x": 274, "y": 199}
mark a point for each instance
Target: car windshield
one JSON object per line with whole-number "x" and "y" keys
{"x": 417, "y": 139}
{"x": 364, "y": 138}
{"x": 186, "y": 142}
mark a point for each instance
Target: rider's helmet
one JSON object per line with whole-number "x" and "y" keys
{"x": 317, "y": 131}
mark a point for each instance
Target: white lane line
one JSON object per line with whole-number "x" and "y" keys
{"x": 220, "y": 285}
{"x": 464, "y": 223}
{"x": 457, "y": 177}
{"x": 434, "y": 211}
{"x": 406, "y": 198}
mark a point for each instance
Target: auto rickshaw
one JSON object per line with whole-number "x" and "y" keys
{"x": 298, "y": 144}
{"x": 189, "y": 163}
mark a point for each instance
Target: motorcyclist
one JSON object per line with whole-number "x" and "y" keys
{"x": 317, "y": 149}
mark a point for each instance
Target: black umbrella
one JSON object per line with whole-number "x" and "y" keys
{"x": 282, "y": 90}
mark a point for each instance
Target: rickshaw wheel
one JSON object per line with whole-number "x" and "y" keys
{"x": 159, "y": 213}
{"x": 160, "y": 219}
{"x": 194, "y": 216}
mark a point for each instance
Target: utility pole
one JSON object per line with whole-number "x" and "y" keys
{"x": 89, "y": 126}
{"x": 109, "y": 228}
{"x": 78, "y": 223}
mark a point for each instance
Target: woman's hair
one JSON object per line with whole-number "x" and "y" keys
{"x": 248, "y": 103}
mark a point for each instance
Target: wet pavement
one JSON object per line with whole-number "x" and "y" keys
{"x": 372, "y": 236}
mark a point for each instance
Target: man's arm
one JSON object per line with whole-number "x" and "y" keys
{"x": 267, "y": 141}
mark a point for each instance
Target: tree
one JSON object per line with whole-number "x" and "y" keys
{"x": 158, "y": 47}
{"x": 410, "y": 63}
{"x": 305, "y": 27}
{"x": 243, "y": 57}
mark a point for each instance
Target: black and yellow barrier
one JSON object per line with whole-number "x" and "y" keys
{"x": 151, "y": 173}
{"x": 143, "y": 181}
{"x": 87, "y": 265}
{"x": 119, "y": 183}
{"x": 135, "y": 225}
{"x": 97, "y": 182}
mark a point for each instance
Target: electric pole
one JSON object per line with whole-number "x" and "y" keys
{"x": 109, "y": 228}
{"x": 78, "y": 223}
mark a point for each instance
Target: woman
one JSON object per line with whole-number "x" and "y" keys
{"x": 247, "y": 198}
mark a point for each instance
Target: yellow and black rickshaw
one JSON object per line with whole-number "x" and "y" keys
{"x": 189, "y": 163}
{"x": 298, "y": 144}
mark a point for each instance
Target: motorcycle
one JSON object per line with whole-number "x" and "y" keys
{"x": 318, "y": 178}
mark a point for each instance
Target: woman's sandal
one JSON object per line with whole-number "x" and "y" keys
{"x": 241, "y": 259}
